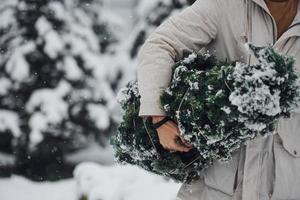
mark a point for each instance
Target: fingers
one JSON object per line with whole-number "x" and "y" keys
{"x": 175, "y": 128}
{"x": 173, "y": 145}
{"x": 169, "y": 134}
{"x": 170, "y": 126}
{"x": 176, "y": 147}
{"x": 181, "y": 148}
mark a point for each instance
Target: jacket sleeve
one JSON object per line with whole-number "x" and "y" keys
{"x": 190, "y": 30}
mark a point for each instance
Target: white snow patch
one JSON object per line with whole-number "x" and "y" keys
{"x": 72, "y": 70}
{"x": 5, "y": 84}
{"x": 7, "y": 18}
{"x": 53, "y": 42}
{"x": 226, "y": 109}
{"x": 190, "y": 58}
{"x": 100, "y": 114}
{"x": 43, "y": 26}
{"x": 52, "y": 109}
{"x": 58, "y": 9}
{"x": 10, "y": 121}
{"x": 16, "y": 188}
{"x": 122, "y": 182}
{"x": 17, "y": 67}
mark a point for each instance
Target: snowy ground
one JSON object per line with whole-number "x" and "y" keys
{"x": 122, "y": 183}
{"x": 95, "y": 182}
{"x": 18, "y": 188}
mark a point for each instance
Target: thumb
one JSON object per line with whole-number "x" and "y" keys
{"x": 184, "y": 141}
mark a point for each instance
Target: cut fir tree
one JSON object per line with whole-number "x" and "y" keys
{"x": 217, "y": 106}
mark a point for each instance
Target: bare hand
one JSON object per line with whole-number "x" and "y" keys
{"x": 168, "y": 133}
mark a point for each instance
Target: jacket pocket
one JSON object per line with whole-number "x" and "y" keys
{"x": 287, "y": 167}
{"x": 221, "y": 176}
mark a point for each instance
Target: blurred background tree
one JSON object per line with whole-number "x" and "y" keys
{"x": 151, "y": 14}
{"x": 58, "y": 91}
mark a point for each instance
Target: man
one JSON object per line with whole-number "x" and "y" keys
{"x": 265, "y": 168}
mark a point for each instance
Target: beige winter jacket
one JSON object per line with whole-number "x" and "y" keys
{"x": 265, "y": 168}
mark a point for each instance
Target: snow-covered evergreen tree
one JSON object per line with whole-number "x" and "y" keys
{"x": 103, "y": 20}
{"x": 56, "y": 87}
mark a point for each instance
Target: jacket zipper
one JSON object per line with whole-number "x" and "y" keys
{"x": 273, "y": 29}
{"x": 274, "y": 25}
{"x": 274, "y": 32}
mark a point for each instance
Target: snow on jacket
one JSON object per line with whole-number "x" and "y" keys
{"x": 264, "y": 168}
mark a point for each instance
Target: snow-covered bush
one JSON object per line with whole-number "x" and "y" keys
{"x": 128, "y": 182}
{"x": 57, "y": 87}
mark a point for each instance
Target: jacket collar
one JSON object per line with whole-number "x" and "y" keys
{"x": 294, "y": 29}
{"x": 263, "y": 5}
